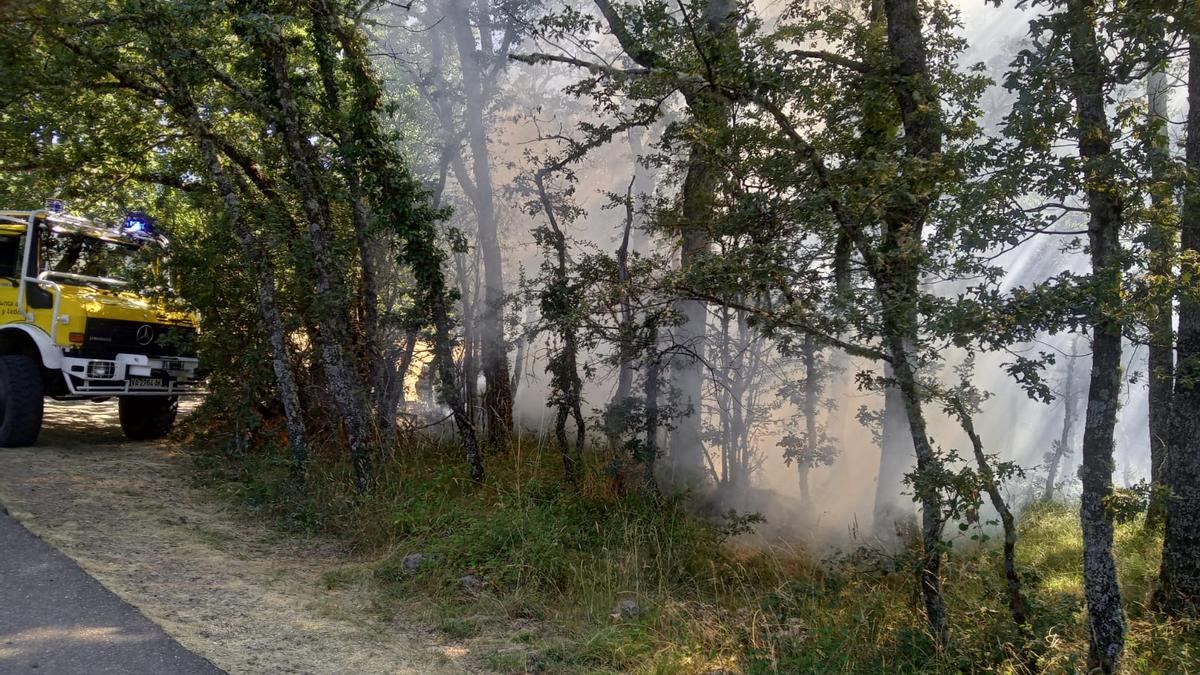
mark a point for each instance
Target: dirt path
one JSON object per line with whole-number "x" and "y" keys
{"x": 243, "y": 597}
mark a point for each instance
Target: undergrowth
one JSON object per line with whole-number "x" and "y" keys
{"x": 531, "y": 573}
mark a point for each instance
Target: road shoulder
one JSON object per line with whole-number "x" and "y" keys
{"x": 243, "y": 596}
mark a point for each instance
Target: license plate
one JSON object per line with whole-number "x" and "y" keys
{"x": 147, "y": 382}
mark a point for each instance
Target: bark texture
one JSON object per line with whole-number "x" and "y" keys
{"x": 252, "y": 250}
{"x": 1106, "y": 618}
{"x": 333, "y": 334}
{"x": 650, "y": 451}
{"x": 897, "y": 277}
{"x": 400, "y": 201}
{"x": 1179, "y": 576}
{"x": 367, "y": 297}
{"x": 1161, "y": 240}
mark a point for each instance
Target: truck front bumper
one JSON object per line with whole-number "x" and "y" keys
{"x": 132, "y": 375}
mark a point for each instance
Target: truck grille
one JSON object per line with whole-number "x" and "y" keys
{"x": 103, "y": 338}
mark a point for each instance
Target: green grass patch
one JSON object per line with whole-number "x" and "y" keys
{"x": 553, "y": 561}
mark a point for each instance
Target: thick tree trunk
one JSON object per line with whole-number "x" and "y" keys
{"x": 1106, "y": 618}
{"x": 896, "y": 281}
{"x": 686, "y": 450}
{"x": 1070, "y": 403}
{"x": 368, "y": 291}
{"x": 497, "y": 400}
{"x": 1179, "y": 576}
{"x": 1161, "y": 242}
{"x": 893, "y": 510}
{"x": 710, "y": 113}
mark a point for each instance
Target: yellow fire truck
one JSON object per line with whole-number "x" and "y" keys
{"x": 74, "y": 325}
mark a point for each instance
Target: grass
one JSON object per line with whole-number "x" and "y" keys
{"x": 556, "y": 559}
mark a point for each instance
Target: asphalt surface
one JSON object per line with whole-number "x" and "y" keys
{"x": 56, "y": 619}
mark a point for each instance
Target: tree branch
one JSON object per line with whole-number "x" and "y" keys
{"x": 848, "y": 347}
{"x": 833, "y": 59}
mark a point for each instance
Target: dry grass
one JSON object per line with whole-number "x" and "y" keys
{"x": 556, "y": 560}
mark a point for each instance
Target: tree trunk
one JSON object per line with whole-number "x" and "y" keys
{"x": 896, "y": 281}
{"x": 558, "y": 306}
{"x": 1105, "y": 615}
{"x": 812, "y": 389}
{"x": 333, "y": 336}
{"x": 401, "y": 199}
{"x": 893, "y": 510}
{"x": 651, "y": 386}
{"x": 522, "y": 351}
{"x": 1179, "y": 576}
{"x": 281, "y": 366}
{"x": 723, "y": 399}
{"x": 399, "y": 395}
{"x": 931, "y": 500}
{"x": 1017, "y": 606}
{"x": 1070, "y": 402}
{"x": 686, "y": 450}
{"x": 368, "y": 290}
{"x": 745, "y": 371}
{"x": 443, "y": 356}
{"x": 643, "y": 184}
{"x": 1161, "y": 242}
{"x": 710, "y": 113}
{"x": 470, "y": 370}
{"x": 625, "y": 326}
{"x": 497, "y": 400}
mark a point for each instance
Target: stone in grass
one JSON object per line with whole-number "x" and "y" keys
{"x": 535, "y": 662}
{"x": 627, "y": 609}
{"x": 412, "y": 561}
{"x": 471, "y": 583}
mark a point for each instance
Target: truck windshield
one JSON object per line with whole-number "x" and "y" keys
{"x": 10, "y": 256}
{"x": 80, "y": 260}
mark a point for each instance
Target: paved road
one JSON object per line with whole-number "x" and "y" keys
{"x": 56, "y": 619}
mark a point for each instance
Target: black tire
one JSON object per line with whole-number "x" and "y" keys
{"x": 20, "y": 400}
{"x": 145, "y": 418}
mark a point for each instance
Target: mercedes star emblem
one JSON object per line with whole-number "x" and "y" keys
{"x": 145, "y": 335}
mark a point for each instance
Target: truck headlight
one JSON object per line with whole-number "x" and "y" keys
{"x": 101, "y": 370}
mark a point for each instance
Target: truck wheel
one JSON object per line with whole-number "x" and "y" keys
{"x": 144, "y": 418}
{"x": 20, "y": 400}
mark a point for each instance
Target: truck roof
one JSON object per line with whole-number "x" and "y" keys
{"x": 15, "y": 222}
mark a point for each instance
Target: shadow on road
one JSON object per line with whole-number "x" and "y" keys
{"x": 83, "y": 425}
